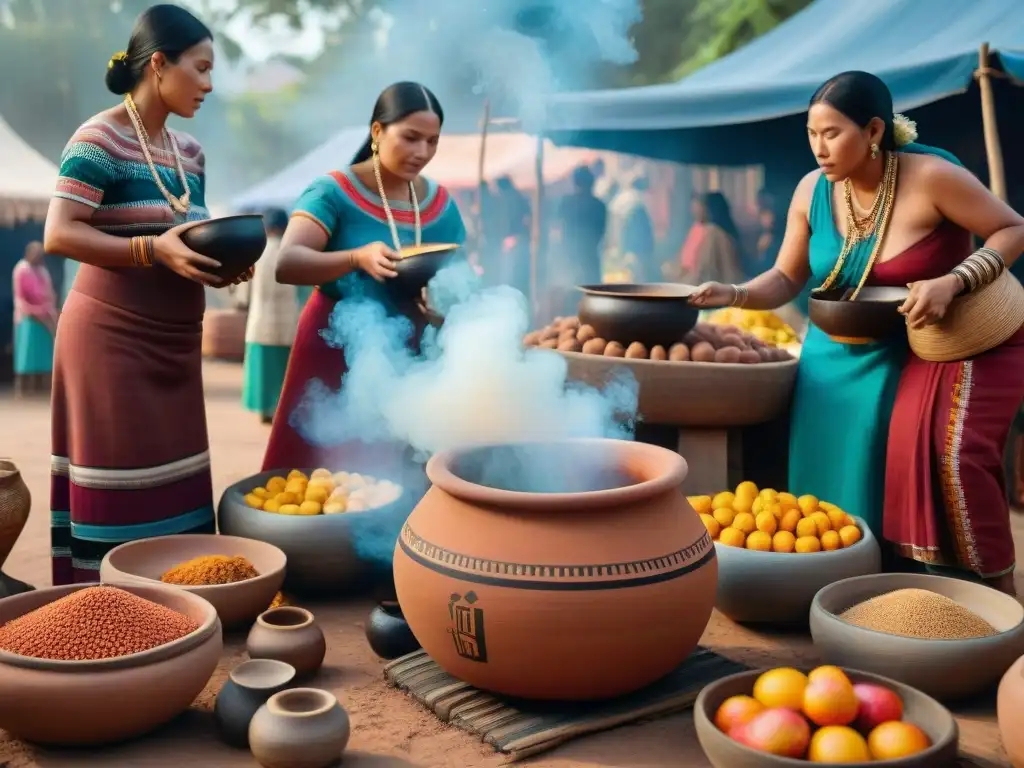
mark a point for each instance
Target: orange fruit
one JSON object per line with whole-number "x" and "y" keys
{"x": 287, "y": 497}
{"x": 700, "y": 503}
{"x": 297, "y": 474}
{"x": 759, "y": 541}
{"x": 830, "y": 700}
{"x": 790, "y": 519}
{"x": 838, "y": 744}
{"x": 896, "y": 739}
{"x": 837, "y": 518}
{"x": 275, "y": 485}
{"x": 310, "y": 508}
{"x": 850, "y": 535}
{"x": 724, "y": 516}
{"x": 743, "y": 504}
{"x": 828, "y": 671}
{"x": 271, "y": 505}
{"x": 769, "y": 496}
{"x": 826, "y": 505}
{"x": 732, "y": 537}
{"x": 747, "y": 489}
{"x": 317, "y": 493}
{"x": 821, "y": 522}
{"x": 850, "y": 521}
{"x": 289, "y": 509}
{"x": 808, "y": 504}
{"x": 830, "y": 541}
{"x": 254, "y": 501}
{"x": 758, "y": 506}
{"x": 788, "y": 500}
{"x": 723, "y": 500}
{"x": 736, "y": 710}
{"x": 711, "y": 524}
{"x": 744, "y": 521}
{"x": 297, "y": 487}
{"x": 806, "y": 527}
{"x": 806, "y": 544}
{"x": 263, "y": 493}
{"x": 776, "y": 510}
{"x": 781, "y": 687}
{"x": 783, "y": 541}
{"x": 766, "y": 522}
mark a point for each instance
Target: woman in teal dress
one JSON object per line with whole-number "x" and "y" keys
{"x": 844, "y": 391}
{"x": 35, "y": 322}
{"x": 344, "y": 236}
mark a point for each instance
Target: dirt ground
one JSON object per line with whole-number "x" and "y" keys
{"x": 389, "y": 730}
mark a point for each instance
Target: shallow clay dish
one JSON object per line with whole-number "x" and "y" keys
{"x": 336, "y": 554}
{"x": 695, "y": 394}
{"x": 237, "y": 242}
{"x": 872, "y": 315}
{"x": 945, "y": 669}
{"x": 146, "y": 560}
{"x": 417, "y": 265}
{"x": 74, "y": 703}
{"x": 919, "y": 709}
{"x": 777, "y": 588}
{"x": 652, "y": 313}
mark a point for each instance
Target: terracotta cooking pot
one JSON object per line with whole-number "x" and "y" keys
{"x": 567, "y": 570}
{"x": 1010, "y": 710}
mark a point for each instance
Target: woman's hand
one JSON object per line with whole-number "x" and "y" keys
{"x": 929, "y": 300}
{"x": 712, "y": 295}
{"x": 376, "y": 260}
{"x": 169, "y": 250}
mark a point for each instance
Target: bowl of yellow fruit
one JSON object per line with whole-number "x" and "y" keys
{"x": 776, "y": 550}
{"x": 337, "y": 528}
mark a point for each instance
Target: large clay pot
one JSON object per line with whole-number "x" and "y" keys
{"x": 1010, "y": 710}
{"x": 566, "y": 570}
{"x": 300, "y": 728}
{"x": 15, "y": 504}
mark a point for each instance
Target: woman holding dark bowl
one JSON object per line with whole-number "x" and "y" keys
{"x": 912, "y": 446}
{"x": 344, "y": 237}
{"x": 130, "y": 451}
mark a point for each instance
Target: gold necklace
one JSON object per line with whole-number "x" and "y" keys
{"x": 179, "y": 205}
{"x": 387, "y": 208}
{"x": 863, "y": 223}
{"x": 887, "y": 197}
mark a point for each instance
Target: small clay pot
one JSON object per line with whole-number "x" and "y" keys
{"x": 15, "y": 503}
{"x": 300, "y": 728}
{"x": 1010, "y": 712}
{"x": 291, "y": 635}
{"x": 249, "y": 686}
{"x": 388, "y": 632}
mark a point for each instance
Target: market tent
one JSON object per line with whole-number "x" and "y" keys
{"x": 455, "y": 165}
{"x": 925, "y": 50}
{"x": 27, "y": 179}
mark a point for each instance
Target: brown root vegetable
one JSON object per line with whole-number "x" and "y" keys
{"x": 680, "y": 353}
{"x": 568, "y": 323}
{"x": 568, "y": 333}
{"x": 691, "y": 338}
{"x": 594, "y": 346}
{"x": 703, "y": 352}
{"x": 569, "y": 345}
{"x": 551, "y": 343}
{"x": 728, "y": 355}
{"x": 637, "y": 351}
{"x": 729, "y": 330}
{"x": 586, "y": 333}
{"x": 749, "y": 357}
{"x": 765, "y": 353}
{"x": 548, "y": 333}
{"x": 614, "y": 349}
{"x": 658, "y": 352}
{"x": 532, "y": 339}
{"x": 733, "y": 340}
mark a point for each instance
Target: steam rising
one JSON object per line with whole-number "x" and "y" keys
{"x": 472, "y": 384}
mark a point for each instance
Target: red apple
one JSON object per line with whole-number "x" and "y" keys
{"x": 877, "y": 705}
{"x": 780, "y": 732}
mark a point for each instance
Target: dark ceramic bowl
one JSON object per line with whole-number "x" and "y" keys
{"x": 651, "y": 313}
{"x": 388, "y": 632}
{"x": 946, "y": 669}
{"x": 918, "y": 708}
{"x": 417, "y": 266}
{"x": 872, "y": 315}
{"x": 237, "y": 242}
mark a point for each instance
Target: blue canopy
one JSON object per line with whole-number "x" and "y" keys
{"x": 926, "y": 50}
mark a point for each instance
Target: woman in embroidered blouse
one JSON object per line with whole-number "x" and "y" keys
{"x": 343, "y": 237}
{"x": 130, "y": 451}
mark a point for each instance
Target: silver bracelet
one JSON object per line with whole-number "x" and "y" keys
{"x": 981, "y": 268}
{"x": 739, "y": 296}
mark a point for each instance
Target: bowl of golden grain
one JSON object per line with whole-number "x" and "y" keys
{"x": 949, "y": 638}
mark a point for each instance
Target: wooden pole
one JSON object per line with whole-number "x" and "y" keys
{"x": 538, "y": 240}
{"x": 481, "y": 178}
{"x": 993, "y": 149}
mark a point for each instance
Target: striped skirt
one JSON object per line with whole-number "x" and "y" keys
{"x": 130, "y": 450}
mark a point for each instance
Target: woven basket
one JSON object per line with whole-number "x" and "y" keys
{"x": 975, "y": 323}
{"x": 15, "y": 503}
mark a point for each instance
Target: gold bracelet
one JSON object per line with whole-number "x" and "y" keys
{"x": 140, "y": 250}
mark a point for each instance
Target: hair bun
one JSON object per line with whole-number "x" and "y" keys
{"x": 119, "y": 77}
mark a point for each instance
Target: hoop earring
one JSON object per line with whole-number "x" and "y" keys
{"x": 874, "y": 151}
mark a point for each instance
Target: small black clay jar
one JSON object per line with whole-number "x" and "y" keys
{"x": 248, "y": 688}
{"x": 388, "y": 632}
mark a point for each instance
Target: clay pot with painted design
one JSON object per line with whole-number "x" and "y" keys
{"x": 569, "y": 570}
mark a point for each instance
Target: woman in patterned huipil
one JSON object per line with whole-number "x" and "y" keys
{"x": 130, "y": 450}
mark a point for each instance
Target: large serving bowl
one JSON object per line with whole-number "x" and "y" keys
{"x": 347, "y": 553}
{"x": 237, "y": 242}
{"x": 146, "y": 560}
{"x": 918, "y": 708}
{"x": 651, "y": 313}
{"x": 694, "y": 394}
{"x": 945, "y": 669}
{"x": 778, "y": 588}
{"x": 869, "y": 317}
{"x": 574, "y": 569}
{"x": 74, "y": 703}
{"x": 417, "y": 265}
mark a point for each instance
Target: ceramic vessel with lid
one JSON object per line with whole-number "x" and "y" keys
{"x": 248, "y": 687}
{"x": 299, "y": 728}
{"x": 291, "y": 635}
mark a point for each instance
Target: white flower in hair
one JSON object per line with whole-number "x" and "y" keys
{"x": 904, "y": 130}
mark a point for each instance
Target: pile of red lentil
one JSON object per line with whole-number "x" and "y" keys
{"x": 94, "y": 623}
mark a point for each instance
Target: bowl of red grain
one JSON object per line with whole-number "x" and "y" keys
{"x": 87, "y": 664}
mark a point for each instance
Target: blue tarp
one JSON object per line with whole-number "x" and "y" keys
{"x": 925, "y": 50}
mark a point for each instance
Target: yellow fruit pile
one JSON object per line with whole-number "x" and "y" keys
{"x": 762, "y": 324}
{"x": 769, "y": 521}
{"x": 295, "y": 494}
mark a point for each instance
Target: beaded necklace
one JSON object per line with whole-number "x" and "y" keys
{"x": 179, "y": 205}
